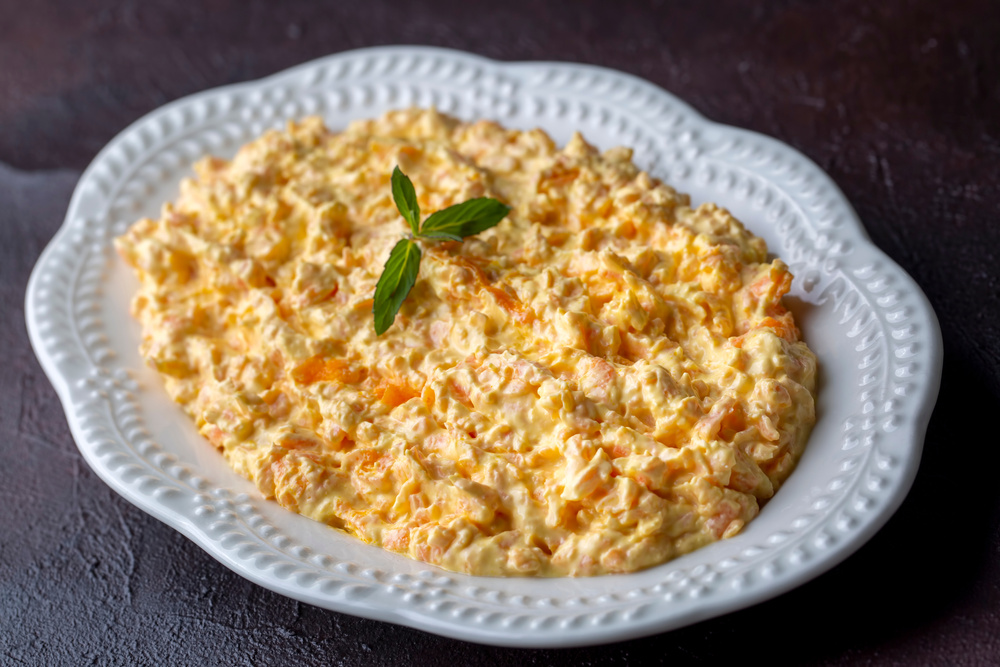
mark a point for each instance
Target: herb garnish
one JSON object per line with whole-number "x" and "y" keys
{"x": 452, "y": 224}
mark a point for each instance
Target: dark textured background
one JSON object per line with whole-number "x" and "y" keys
{"x": 900, "y": 103}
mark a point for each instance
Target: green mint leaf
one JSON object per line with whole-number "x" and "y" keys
{"x": 396, "y": 281}
{"x": 440, "y": 236}
{"x": 465, "y": 219}
{"x": 406, "y": 199}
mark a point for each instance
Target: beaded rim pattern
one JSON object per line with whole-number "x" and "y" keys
{"x": 872, "y": 316}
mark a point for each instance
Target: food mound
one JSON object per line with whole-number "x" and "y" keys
{"x": 604, "y": 381}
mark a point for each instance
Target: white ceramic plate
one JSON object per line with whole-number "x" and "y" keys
{"x": 876, "y": 337}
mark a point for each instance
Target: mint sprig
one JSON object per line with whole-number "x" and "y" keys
{"x": 465, "y": 219}
{"x": 406, "y": 199}
{"x": 454, "y": 223}
{"x": 395, "y": 283}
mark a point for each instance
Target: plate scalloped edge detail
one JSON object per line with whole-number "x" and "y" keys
{"x": 875, "y": 314}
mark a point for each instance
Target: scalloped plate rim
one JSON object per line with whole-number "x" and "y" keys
{"x": 914, "y": 431}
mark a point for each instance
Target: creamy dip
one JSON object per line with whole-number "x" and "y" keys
{"x": 604, "y": 381}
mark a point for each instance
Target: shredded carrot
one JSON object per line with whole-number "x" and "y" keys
{"x": 319, "y": 369}
{"x": 369, "y": 462}
{"x": 556, "y": 177}
{"x": 395, "y": 393}
{"x": 783, "y": 327}
{"x": 774, "y": 284}
{"x": 461, "y": 393}
{"x": 618, "y": 450}
{"x": 503, "y": 297}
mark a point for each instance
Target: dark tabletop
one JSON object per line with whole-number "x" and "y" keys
{"x": 899, "y": 102}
